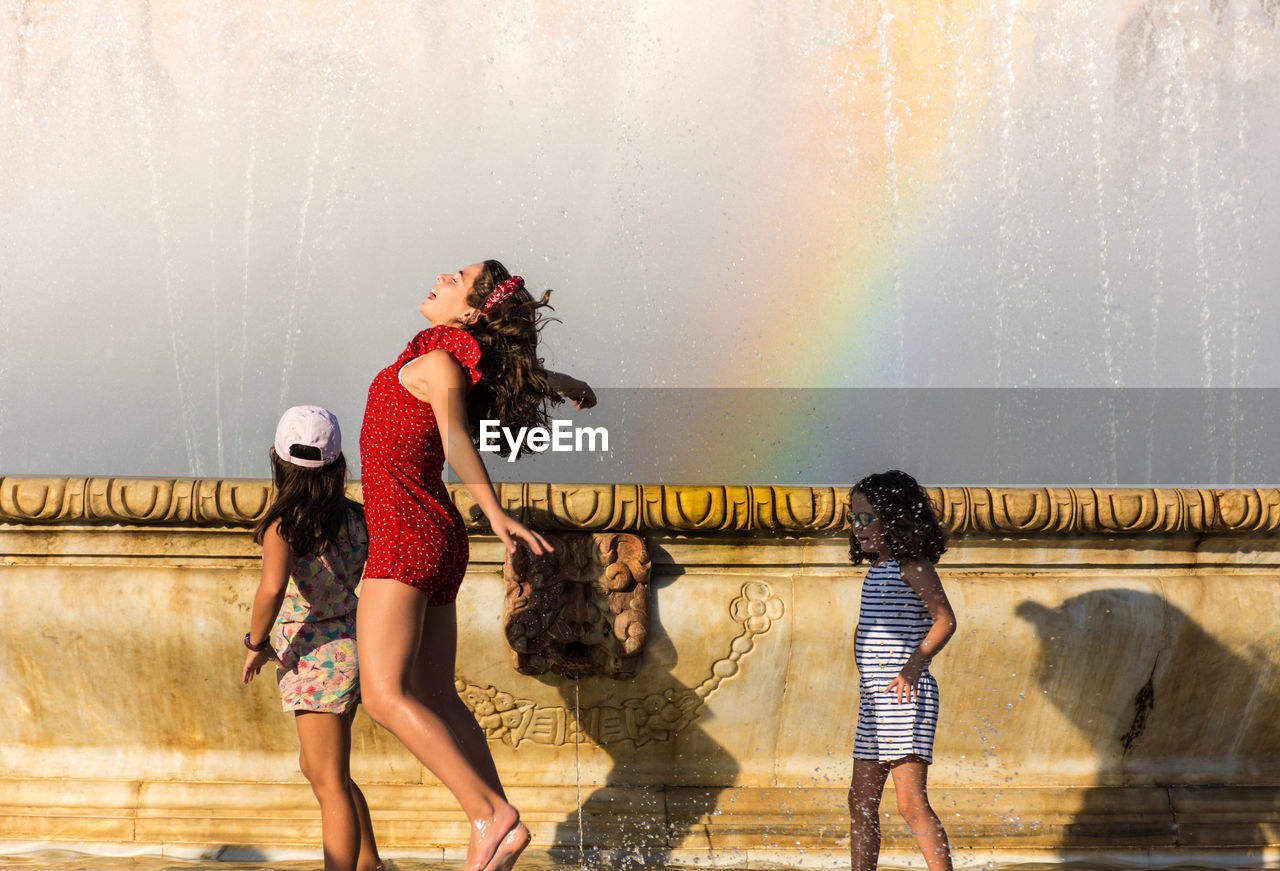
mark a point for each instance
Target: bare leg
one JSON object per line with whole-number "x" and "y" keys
{"x": 865, "y": 790}
{"x": 407, "y": 684}
{"x": 368, "y": 859}
{"x": 326, "y": 751}
{"x": 432, "y": 681}
{"x": 910, "y": 776}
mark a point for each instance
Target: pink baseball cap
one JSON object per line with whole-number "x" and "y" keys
{"x": 308, "y": 426}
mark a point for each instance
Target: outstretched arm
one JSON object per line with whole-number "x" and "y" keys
{"x": 277, "y": 560}
{"x": 571, "y": 388}
{"x": 922, "y": 577}
{"x": 437, "y": 378}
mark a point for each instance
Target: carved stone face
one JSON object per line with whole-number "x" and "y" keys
{"x": 582, "y": 609}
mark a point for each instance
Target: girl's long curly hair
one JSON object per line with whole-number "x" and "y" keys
{"x": 515, "y": 388}
{"x": 910, "y": 524}
{"x": 311, "y": 505}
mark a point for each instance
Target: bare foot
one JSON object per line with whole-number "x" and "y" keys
{"x": 504, "y": 858}
{"x": 489, "y": 839}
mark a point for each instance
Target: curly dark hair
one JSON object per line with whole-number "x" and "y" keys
{"x": 311, "y": 505}
{"x": 515, "y": 388}
{"x": 910, "y": 524}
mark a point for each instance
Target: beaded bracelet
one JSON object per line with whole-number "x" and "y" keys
{"x": 256, "y": 648}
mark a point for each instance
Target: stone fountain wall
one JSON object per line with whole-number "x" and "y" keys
{"x": 1113, "y": 684}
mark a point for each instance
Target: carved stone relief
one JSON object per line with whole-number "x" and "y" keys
{"x": 580, "y": 610}
{"x": 132, "y": 500}
{"x": 660, "y": 508}
{"x": 642, "y": 719}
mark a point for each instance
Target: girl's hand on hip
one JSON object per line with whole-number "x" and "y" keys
{"x": 254, "y": 662}
{"x": 905, "y": 684}
{"x": 509, "y": 530}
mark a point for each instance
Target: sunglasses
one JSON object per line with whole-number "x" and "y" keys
{"x": 860, "y": 518}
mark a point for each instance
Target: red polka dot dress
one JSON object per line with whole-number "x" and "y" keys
{"x": 416, "y": 535}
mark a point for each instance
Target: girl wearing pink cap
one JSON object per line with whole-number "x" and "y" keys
{"x": 479, "y": 361}
{"x": 314, "y": 546}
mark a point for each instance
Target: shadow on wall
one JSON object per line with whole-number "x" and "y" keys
{"x": 1180, "y": 724}
{"x": 633, "y": 820}
{"x": 581, "y": 619}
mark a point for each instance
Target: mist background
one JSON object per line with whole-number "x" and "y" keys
{"x": 212, "y": 213}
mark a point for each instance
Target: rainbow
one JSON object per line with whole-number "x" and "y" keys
{"x": 883, "y": 108}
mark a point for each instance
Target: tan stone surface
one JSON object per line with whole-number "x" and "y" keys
{"x": 136, "y": 671}
{"x": 666, "y": 717}
{"x": 819, "y": 700}
{"x": 687, "y": 818}
{"x": 1102, "y": 690}
{"x": 740, "y": 818}
{"x": 1209, "y": 816}
{"x": 1022, "y": 818}
{"x": 41, "y": 824}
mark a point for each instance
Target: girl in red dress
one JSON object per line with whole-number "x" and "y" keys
{"x": 477, "y": 362}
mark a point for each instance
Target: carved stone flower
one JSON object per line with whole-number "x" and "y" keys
{"x": 757, "y": 607}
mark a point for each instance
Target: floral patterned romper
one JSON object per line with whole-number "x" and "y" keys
{"x": 315, "y": 633}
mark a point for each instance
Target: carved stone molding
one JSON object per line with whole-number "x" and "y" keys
{"x": 642, "y": 719}
{"x": 582, "y": 609}
{"x": 676, "y": 509}
{"x": 143, "y": 501}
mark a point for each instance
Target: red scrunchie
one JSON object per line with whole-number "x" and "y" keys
{"x": 502, "y": 291}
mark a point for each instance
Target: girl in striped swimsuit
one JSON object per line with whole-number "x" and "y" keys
{"x": 904, "y": 620}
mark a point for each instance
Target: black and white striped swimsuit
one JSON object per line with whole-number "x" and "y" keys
{"x": 892, "y": 621}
